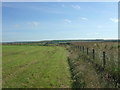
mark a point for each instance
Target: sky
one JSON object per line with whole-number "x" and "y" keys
{"x": 36, "y": 21}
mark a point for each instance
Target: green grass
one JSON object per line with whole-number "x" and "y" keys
{"x": 0, "y": 66}
{"x": 111, "y": 72}
{"x": 35, "y": 67}
{"x": 111, "y": 57}
{"x": 85, "y": 74}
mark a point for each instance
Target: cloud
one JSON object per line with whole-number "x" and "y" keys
{"x": 67, "y": 21}
{"x": 97, "y": 33}
{"x": 34, "y": 23}
{"x": 76, "y": 6}
{"x": 63, "y": 5}
{"x": 115, "y": 20}
{"x": 99, "y": 26}
{"x": 83, "y": 18}
{"x": 16, "y": 25}
{"x": 93, "y": 34}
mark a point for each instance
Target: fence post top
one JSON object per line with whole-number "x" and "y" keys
{"x": 103, "y": 51}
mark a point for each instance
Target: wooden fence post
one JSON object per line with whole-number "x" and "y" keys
{"x": 83, "y": 48}
{"x": 93, "y": 53}
{"x": 87, "y": 51}
{"x": 104, "y": 62}
{"x": 80, "y": 48}
{"x": 76, "y": 48}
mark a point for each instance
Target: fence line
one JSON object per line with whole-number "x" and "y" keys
{"x": 93, "y": 53}
{"x": 87, "y": 51}
{"x": 102, "y": 60}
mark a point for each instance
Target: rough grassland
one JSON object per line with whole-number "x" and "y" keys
{"x": 0, "y": 66}
{"x": 35, "y": 66}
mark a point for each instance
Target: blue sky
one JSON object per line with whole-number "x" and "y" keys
{"x": 28, "y": 21}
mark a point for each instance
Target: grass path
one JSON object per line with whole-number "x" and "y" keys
{"x": 0, "y": 66}
{"x": 35, "y": 67}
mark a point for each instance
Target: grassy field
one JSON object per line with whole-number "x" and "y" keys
{"x": 0, "y": 66}
{"x": 35, "y": 67}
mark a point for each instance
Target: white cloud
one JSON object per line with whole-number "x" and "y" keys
{"x": 76, "y": 6}
{"x": 63, "y": 5}
{"x": 83, "y": 18}
{"x": 16, "y": 25}
{"x": 97, "y": 33}
{"x": 67, "y": 21}
{"x": 34, "y": 23}
{"x": 99, "y": 26}
{"x": 115, "y": 20}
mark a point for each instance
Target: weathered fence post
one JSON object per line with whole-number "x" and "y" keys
{"x": 78, "y": 48}
{"x": 75, "y": 48}
{"x": 93, "y": 53}
{"x": 83, "y": 48}
{"x": 104, "y": 62}
{"x": 87, "y": 51}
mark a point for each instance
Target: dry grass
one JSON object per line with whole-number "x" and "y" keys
{"x": 86, "y": 71}
{"x": 111, "y": 50}
{"x": 84, "y": 75}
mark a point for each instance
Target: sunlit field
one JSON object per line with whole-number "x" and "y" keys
{"x": 35, "y": 67}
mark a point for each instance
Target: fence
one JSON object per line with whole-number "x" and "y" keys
{"x": 105, "y": 59}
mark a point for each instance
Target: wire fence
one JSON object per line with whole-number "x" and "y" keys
{"x": 107, "y": 60}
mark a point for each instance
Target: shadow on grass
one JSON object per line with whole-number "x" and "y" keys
{"x": 77, "y": 82}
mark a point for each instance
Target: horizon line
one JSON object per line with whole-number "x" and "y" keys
{"x": 63, "y": 39}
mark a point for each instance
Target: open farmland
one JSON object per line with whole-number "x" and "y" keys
{"x": 61, "y": 65}
{"x": 35, "y": 67}
{"x": 0, "y": 65}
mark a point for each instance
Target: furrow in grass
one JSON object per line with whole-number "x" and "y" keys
{"x": 47, "y": 68}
